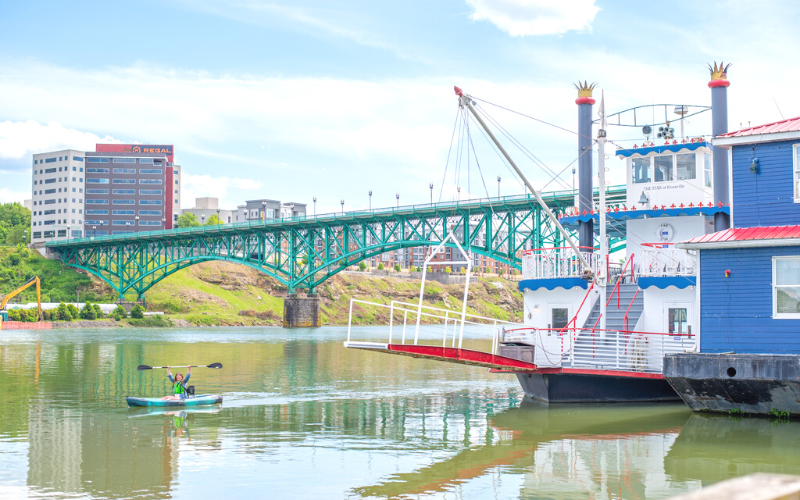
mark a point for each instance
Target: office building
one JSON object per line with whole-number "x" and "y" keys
{"x": 204, "y": 208}
{"x": 57, "y": 196}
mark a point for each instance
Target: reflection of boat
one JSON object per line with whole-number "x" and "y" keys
{"x": 557, "y": 446}
{"x": 143, "y": 411}
{"x": 202, "y": 399}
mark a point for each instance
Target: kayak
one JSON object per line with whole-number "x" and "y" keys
{"x": 201, "y": 399}
{"x": 148, "y": 411}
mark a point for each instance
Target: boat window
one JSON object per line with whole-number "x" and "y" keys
{"x": 662, "y": 169}
{"x": 686, "y": 166}
{"x": 640, "y": 169}
{"x": 677, "y": 320}
{"x": 707, "y": 169}
{"x": 786, "y": 286}
{"x": 560, "y": 317}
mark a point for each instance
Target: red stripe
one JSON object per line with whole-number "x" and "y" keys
{"x": 582, "y": 371}
{"x": 465, "y": 356}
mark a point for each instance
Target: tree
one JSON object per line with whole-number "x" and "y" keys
{"x": 98, "y": 311}
{"x": 448, "y": 270}
{"x": 73, "y": 311}
{"x": 17, "y": 234}
{"x": 137, "y": 312}
{"x": 88, "y": 312}
{"x": 187, "y": 220}
{"x": 119, "y": 313}
{"x": 214, "y": 220}
{"x": 362, "y": 266}
{"x": 397, "y": 268}
{"x": 380, "y": 266}
{"x": 63, "y": 313}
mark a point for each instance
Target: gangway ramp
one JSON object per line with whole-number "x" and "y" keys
{"x": 447, "y": 354}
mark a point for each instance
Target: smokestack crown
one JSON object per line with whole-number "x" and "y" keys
{"x": 719, "y": 75}
{"x": 584, "y": 92}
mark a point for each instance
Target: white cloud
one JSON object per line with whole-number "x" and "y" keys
{"x": 199, "y": 186}
{"x": 9, "y": 195}
{"x": 20, "y": 139}
{"x": 535, "y": 17}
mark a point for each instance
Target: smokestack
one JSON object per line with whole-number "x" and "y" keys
{"x": 719, "y": 125}
{"x": 585, "y": 194}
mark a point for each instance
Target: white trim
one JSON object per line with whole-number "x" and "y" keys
{"x": 775, "y": 313}
{"x": 787, "y": 242}
{"x": 727, "y": 142}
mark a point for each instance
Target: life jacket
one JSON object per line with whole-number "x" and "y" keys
{"x": 177, "y": 388}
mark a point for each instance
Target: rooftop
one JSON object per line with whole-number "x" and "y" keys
{"x": 747, "y": 237}
{"x": 788, "y": 125}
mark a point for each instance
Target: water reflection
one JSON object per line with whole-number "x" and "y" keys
{"x": 305, "y": 418}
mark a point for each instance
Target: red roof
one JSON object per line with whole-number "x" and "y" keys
{"x": 789, "y": 125}
{"x": 749, "y": 234}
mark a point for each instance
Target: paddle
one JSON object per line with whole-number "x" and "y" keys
{"x": 212, "y": 365}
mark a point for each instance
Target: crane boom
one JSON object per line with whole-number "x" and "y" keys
{"x": 21, "y": 289}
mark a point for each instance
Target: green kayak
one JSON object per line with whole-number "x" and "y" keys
{"x": 201, "y": 399}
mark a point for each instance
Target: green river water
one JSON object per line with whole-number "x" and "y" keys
{"x": 303, "y": 417}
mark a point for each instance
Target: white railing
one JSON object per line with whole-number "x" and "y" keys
{"x": 558, "y": 263}
{"x": 668, "y": 261}
{"x": 610, "y": 349}
{"x": 437, "y": 326}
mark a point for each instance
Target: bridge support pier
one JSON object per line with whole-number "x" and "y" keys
{"x": 301, "y": 312}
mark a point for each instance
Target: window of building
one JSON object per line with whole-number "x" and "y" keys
{"x": 73, "y": 190}
{"x": 97, "y": 202}
{"x": 96, "y": 222}
{"x": 35, "y": 162}
{"x": 786, "y": 287}
{"x": 59, "y": 159}
{"x": 48, "y": 212}
{"x": 49, "y": 222}
{"x": 96, "y": 170}
{"x": 123, "y": 212}
{"x": 50, "y": 202}
{"x": 124, "y": 191}
{"x": 80, "y": 169}
{"x": 49, "y": 191}
{"x": 796, "y": 156}
{"x": 559, "y": 317}
{"x": 74, "y": 169}
{"x": 662, "y": 168}
{"x": 77, "y": 158}
{"x": 150, "y": 171}
{"x": 149, "y": 212}
{"x": 149, "y": 223}
{"x": 95, "y": 159}
{"x": 150, "y": 181}
{"x": 124, "y": 202}
{"x": 73, "y": 179}
{"x": 49, "y": 181}
{"x": 124, "y": 170}
{"x": 124, "y": 181}
{"x": 124, "y": 160}
{"x": 37, "y": 234}
{"x": 96, "y": 191}
{"x": 34, "y": 183}
{"x": 176, "y": 183}
{"x": 640, "y": 170}
{"x": 80, "y": 190}
{"x": 150, "y": 191}
{"x": 49, "y": 170}
{"x": 687, "y": 166}
{"x": 123, "y": 223}
{"x": 51, "y": 160}
{"x": 677, "y": 320}
{"x": 99, "y": 181}
{"x": 76, "y": 233}
{"x": 148, "y": 161}
{"x": 97, "y": 212}
{"x": 149, "y": 202}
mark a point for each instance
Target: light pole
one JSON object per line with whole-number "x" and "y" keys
{"x": 128, "y": 225}
{"x": 397, "y": 195}
{"x": 94, "y": 231}
{"x": 26, "y": 237}
{"x": 263, "y": 210}
{"x": 163, "y": 223}
{"x": 430, "y": 186}
{"x": 498, "y": 186}
{"x": 315, "y": 206}
{"x": 342, "y": 202}
{"x": 218, "y": 219}
{"x": 458, "y": 188}
{"x": 203, "y": 219}
{"x": 370, "y": 200}
{"x": 136, "y": 224}
{"x": 68, "y": 231}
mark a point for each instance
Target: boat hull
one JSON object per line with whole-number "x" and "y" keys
{"x": 201, "y": 400}
{"x": 588, "y": 388}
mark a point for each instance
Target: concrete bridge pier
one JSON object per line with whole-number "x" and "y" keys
{"x": 301, "y": 312}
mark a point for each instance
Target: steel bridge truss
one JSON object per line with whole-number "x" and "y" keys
{"x": 302, "y": 253}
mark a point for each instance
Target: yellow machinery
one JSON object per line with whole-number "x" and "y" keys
{"x": 35, "y": 279}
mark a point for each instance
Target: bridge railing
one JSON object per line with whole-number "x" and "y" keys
{"x": 437, "y": 326}
{"x": 562, "y": 196}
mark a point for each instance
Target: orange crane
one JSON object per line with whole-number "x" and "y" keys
{"x": 35, "y": 279}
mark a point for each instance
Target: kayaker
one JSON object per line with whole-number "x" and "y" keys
{"x": 178, "y": 384}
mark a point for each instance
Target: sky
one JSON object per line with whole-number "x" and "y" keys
{"x": 331, "y": 99}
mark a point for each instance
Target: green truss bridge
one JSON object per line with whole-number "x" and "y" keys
{"x": 303, "y": 252}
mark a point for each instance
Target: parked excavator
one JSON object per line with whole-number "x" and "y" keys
{"x": 35, "y": 279}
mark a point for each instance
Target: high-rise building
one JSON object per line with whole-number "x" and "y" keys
{"x": 126, "y": 193}
{"x": 57, "y": 196}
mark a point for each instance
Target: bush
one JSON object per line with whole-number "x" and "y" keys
{"x": 380, "y": 266}
{"x": 14, "y": 315}
{"x": 448, "y": 270}
{"x": 137, "y": 312}
{"x": 151, "y": 321}
{"x": 14, "y": 259}
{"x": 88, "y": 312}
{"x": 63, "y": 313}
{"x": 397, "y": 268}
{"x": 30, "y": 315}
{"x": 98, "y": 312}
{"x": 119, "y": 313}
{"x": 73, "y": 311}
{"x": 362, "y": 266}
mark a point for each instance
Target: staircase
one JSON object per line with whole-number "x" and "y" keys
{"x": 615, "y": 317}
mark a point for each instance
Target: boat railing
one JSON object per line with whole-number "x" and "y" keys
{"x": 436, "y": 326}
{"x": 665, "y": 260}
{"x": 549, "y": 263}
{"x": 612, "y": 350}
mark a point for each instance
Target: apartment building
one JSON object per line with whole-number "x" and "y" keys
{"x": 57, "y": 196}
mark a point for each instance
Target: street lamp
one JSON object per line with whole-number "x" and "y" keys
{"x": 315, "y": 206}
{"x": 218, "y": 219}
{"x": 163, "y": 223}
{"x": 342, "y": 202}
{"x": 430, "y": 186}
{"x": 458, "y": 188}
{"x": 128, "y": 225}
{"x": 136, "y": 223}
{"x": 370, "y": 200}
{"x": 263, "y": 210}
{"x": 203, "y": 219}
{"x": 26, "y": 237}
{"x": 397, "y": 195}
{"x": 498, "y": 186}
{"x": 94, "y": 231}
{"x": 68, "y": 231}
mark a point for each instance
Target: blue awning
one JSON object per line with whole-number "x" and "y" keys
{"x": 553, "y": 283}
{"x": 672, "y": 148}
{"x": 620, "y": 215}
{"x": 665, "y": 281}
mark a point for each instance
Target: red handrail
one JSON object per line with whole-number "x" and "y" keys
{"x": 625, "y": 318}
{"x": 575, "y": 318}
{"x": 619, "y": 280}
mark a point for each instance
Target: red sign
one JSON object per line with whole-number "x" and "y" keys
{"x": 137, "y": 148}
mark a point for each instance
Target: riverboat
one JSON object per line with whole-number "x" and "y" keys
{"x": 594, "y": 330}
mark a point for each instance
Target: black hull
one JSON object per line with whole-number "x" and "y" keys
{"x": 571, "y": 388}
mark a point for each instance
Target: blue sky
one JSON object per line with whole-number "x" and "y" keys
{"x": 290, "y": 100}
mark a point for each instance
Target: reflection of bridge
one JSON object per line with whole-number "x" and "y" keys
{"x": 304, "y": 252}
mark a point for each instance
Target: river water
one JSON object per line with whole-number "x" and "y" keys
{"x": 304, "y": 417}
